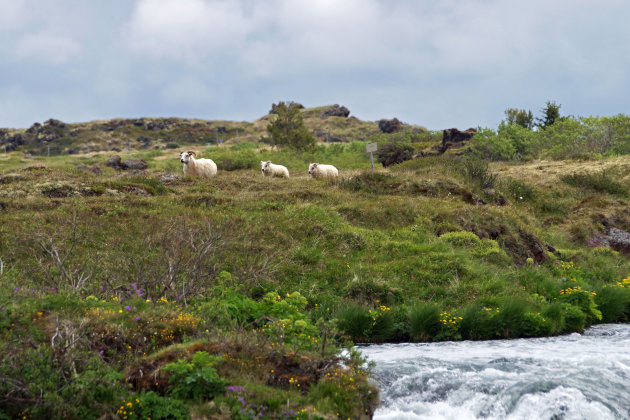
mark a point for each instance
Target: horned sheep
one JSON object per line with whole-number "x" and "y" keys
{"x": 273, "y": 170}
{"x": 317, "y": 170}
{"x": 197, "y": 167}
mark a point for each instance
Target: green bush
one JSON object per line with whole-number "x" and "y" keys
{"x": 150, "y": 405}
{"x": 536, "y": 325}
{"x": 614, "y": 303}
{"x": 196, "y": 380}
{"x": 582, "y": 299}
{"x": 511, "y": 319}
{"x": 230, "y": 160}
{"x": 487, "y": 144}
{"x": 554, "y": 313}
{"x": 424, "y": 322}
{"x": 355, "y": 321}
{"x": 382, "y": 325}
{"x": 574, "y": 319}
{"x": 477, "y": 323}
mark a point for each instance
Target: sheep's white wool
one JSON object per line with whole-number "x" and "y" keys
{"x": 270, "y": 169}
{"x": 318, "y": 170}
{"x": 197, "y": 167}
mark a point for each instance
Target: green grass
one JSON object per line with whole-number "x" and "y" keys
{"x": 396, "y": 255}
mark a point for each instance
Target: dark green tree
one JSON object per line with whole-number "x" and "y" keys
{"x": 550, "y": 114}
{"x": 287, "y": 127}
{"x": 519, "y": 117}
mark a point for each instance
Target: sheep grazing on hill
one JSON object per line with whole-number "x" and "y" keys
{"x": 317, "y": 170}
{"x": 197, "y": 167}
{"x": 270, "y": 169}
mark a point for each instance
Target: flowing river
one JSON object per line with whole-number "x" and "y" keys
{"x": 569, "y": 377}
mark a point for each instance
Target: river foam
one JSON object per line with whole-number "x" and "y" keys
{"x": 569, "y": 377}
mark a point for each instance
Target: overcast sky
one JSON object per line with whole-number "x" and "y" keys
{"x": 436, "y": 63}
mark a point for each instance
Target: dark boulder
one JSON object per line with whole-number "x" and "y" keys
{"x": 134, "y": 164}
{"x": 390, "y": 126}
{"x": 34, "y": 129}
{"x": 114, "y": 162}
{"x": 335, "y": 111}
{"x": 452, "y": 137}
{"x": 129, "y": 164}
{"x": 156, "y": 125}
{"x": 93, "y": 169}
{"x": 146, "y": 141}
{"x": 55, "y": 123}
{"x": 16, "y": 139}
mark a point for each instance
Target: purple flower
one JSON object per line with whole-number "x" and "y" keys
{"x": 128, "y": 307}
{"x": 102, "y": 352}
{"x": 137, "y": 318}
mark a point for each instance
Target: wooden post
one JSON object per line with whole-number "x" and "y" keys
{"x": 371, "y": 147}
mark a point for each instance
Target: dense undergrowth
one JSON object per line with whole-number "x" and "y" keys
{"x": 153, "y": 296}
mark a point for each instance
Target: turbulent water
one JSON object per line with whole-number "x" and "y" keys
{"x": 570, "y": 377}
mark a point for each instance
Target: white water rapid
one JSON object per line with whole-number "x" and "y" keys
{"x": 560, "y": 378}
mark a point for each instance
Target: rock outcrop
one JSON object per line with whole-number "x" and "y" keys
{"x": 453, "y": 138}
{"x": 390, "y": 126}
{"x": 335, "y": 111}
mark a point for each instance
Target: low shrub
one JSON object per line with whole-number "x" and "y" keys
{"x": 554, "y": 314}
{"x": 511, "y": 319}
{"x": 477, "y": 323}
{"x": 152, "y": 406}
{"x": 574, "y": 319}
{"x": 195, "y": 380}
{"x": 614, "y": 303}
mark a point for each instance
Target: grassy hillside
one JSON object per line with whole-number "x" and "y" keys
{"x": 54, "y": 137}
{"x": 232, "y": 297}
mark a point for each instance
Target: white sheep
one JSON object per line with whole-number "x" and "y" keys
{"x": 270, "y": 169}
{"x": 317, "y": 170}
{"x": 197, "y": 167}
